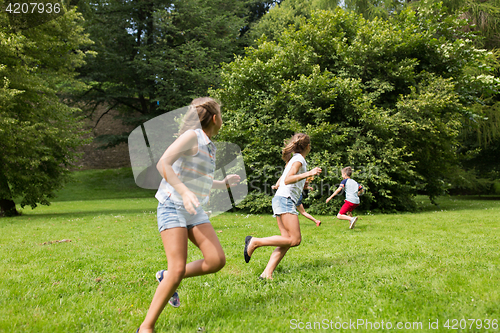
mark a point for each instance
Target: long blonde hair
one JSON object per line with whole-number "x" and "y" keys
{"x": 200, "y": 113}
{"x": 297, "y": 144}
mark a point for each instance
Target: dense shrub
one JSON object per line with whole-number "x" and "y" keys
{"x": 385, "y": 97}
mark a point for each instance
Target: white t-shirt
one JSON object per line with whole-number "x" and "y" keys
{"x": 351, "y": 188}
{"x": 294, "y": 190}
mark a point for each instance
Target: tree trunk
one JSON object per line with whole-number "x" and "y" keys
{"x": 7, "y": 205}
{"x": 8, "y": 208}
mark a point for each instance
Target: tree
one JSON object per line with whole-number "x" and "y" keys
{"x": 38, "y": 133}
{"x": 288, "y": 13}
{"x": 480, "y": 135}
{"x": 386, "y": 97}
{"x": 483, "y": 16}
{"x": 155, "y": 56}
{"x": 371, "y": 9}
{"x": 256, "y": 10}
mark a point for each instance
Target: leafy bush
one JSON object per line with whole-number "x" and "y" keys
{"x": 256, "y": 203}
{"x": 385, "y": 97}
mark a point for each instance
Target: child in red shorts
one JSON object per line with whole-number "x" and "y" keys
{"x": 352, "y": 190}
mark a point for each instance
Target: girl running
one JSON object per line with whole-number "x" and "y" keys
{"x": 284, "y": 202}
{"x": 299, "y": 205}
{"x": 187, "y": 168}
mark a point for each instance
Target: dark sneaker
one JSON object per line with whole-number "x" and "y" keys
{"x": 159, "y": 275}
{"x": 174, "y": 300}
{"x": 245, "y": 252}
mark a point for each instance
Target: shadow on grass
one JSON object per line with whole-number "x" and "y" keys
{"x": 457, "y": 203}
{"x": 81, "y": 214}
{"x": 479, "y": 197}
{"x": 131, "y": 195}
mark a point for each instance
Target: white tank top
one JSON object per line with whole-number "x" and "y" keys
{"x": 294, "y": 190}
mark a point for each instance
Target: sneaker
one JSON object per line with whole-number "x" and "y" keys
{"x": 245, "y": 253}
{"x": 353, "y": 222}
{"x": 174, "y": 300}
{"x": 159, "y": 275}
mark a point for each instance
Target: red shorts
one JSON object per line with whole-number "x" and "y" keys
{"x": 347, "y": 207}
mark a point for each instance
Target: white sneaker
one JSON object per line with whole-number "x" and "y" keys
{"x": 353, "y": 222}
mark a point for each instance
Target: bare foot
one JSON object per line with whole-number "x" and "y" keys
{"x": 318, "y": 223}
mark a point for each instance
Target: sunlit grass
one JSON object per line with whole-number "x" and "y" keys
{"x": 441, "y": 263}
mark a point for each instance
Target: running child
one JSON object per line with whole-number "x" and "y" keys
{"x": 290, "y": 187}
{"x": 187, "y": 168}
{"x": 352, "y": 192}
{"x": 299, "y": 205}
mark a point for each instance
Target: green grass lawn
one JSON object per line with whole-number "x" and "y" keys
{"x": 439, "y": 264}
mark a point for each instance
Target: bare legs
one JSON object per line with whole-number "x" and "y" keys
{"x": 348, "y": 216}
{"x": 344, "y": 217}
{"x": 175, "y": 244}
{"x": 302, "y": 211}
{"x": 214, "y": 259}
{"x": 290, "y": 237}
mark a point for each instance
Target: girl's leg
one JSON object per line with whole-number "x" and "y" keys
{"x": 277, "y": 254}
{"x": 175, "y": 244}
{"x": 205, "y": 238}
{"x": 290, "y": 239}
{"x": 307, "y": 215}
{"x": 289, "y": 228}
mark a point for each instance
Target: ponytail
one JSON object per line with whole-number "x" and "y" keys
{"x": 297, "y": 144}
{"x": 201, "y": 112}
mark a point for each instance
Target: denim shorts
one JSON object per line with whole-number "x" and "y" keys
{"x": 172, "y": 215}
{"x": 300, "y": 200}
{"x": 282, "y": 205}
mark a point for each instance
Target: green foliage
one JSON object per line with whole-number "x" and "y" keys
{"x": 257, "y": 203}
{"x": 386, "y": 97}
{"x": 483, "y": 17}
{"x": 496, "y": 187}
{"x": 371, "y": 9}
{"x": 156, "y": 56}
{"x": 288, "y": 13}
{"x": 38, "y": 133}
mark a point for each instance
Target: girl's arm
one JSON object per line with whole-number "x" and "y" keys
{"x": 277, "y": 184}
{"x": 229, "y": 181}
{"x": 186, "y": 144}
{"x": 292, "y": 177}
